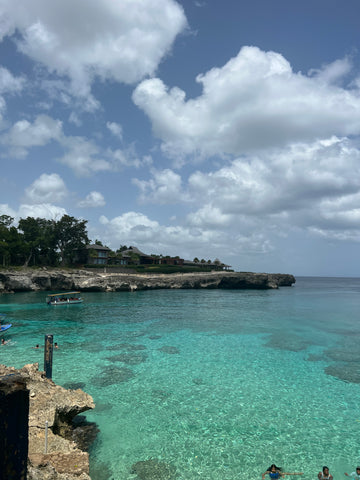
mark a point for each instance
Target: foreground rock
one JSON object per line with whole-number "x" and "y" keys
{"x": 84, "y": 280}
{"x": 58, "y": 406}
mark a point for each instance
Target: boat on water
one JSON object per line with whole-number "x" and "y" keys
{"x": 4, "y": 326}
{"x": 66, "y": 298}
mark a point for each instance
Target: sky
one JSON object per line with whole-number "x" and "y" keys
{"x": 217, "y": 129}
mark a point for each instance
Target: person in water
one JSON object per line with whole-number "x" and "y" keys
{"x": 325, "y": 474}
{"x": 3, "y": 343}
{"x": 354, "y": 475}
{"x": 275, "y": 472}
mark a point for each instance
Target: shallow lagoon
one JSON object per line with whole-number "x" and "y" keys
{"x": 219, "y": 384}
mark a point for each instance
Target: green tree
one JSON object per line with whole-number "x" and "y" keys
{"x": 5, "y": 254}
{"x": 38, "y": 241}
{"x": 196, "y": 260}
{"x": 70, "y": 238}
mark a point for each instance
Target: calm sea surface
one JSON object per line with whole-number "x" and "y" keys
{"x": 219, "y": 384}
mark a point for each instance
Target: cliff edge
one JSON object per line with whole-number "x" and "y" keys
{"x": 54, "y": 404}
{"x": 93, "y": 281}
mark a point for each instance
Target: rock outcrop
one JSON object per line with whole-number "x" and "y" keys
{"x": 94, "y": 281}
{"x": 53, "y": 404}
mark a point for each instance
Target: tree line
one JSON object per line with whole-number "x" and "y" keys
{"x": 41, "y": 242}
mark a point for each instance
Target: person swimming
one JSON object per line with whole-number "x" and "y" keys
{"x": 325, "y": 474}
{"x": 274, "y": 472}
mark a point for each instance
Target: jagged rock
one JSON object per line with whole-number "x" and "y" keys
{"x": 93, "y": 281}
{"x": 57, "y": 406}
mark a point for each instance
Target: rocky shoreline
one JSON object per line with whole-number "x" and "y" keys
{"x": 27, "y": 280}
{"x": 54, "y": 404}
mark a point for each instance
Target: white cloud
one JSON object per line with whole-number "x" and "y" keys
{"x": 116, "y": 129}
{"x": 24, "y": 135}
{"x": 9, "y": 83}
{"x": 46, "y": 189}
{"x": 6, "y": 210}
{"x": 163, "y": 188}
{"x": 253, "y": 102}
{"x": 43, "y": 210}
{"x": 134, "y": 228}
{"x": 210, "y": 216}
{"x": 333, "y": 72}
{"x": 92, "y": 200}
{"x": 122, "y": 41}
{"x": 83, "y": 156}
{"x": 127, "y": 157}
{"x": 304, "y": 186}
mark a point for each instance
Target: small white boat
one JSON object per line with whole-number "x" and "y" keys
{"x": 67, "y": 298}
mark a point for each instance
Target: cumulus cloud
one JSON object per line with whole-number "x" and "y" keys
{"x": 164, "y": 187}
{"x": 41, "y": 210}
{"x": 92, "y": 200}
{"x": 137, "y": 229}
{"x": 121, "y": 41}
{"x": 24, "y": 134}
{"x": 116, "y": 129}
{"x": 314, "y": 187}
{"x": 9, "y": 83}
{"x": 46, "y": 189}
{"x": 127, "y": 157}
{"x": 83, "y": 156}
{"x": 255, "y": 101}
{"x": 5, "y": 209}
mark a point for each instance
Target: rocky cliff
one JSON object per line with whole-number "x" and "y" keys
{"x": 84, "y": 280}
{"x": 57, "y": 406}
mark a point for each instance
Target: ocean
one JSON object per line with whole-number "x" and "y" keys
{"x": 210, "y": 384}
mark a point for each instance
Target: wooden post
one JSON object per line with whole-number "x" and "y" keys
{"x": 48, "y": 355}
{"x": 14, "y": 427}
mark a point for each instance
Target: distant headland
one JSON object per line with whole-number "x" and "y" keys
{"x": 56, "y": 279}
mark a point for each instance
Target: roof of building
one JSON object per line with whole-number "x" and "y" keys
{"x": 95, "y": 246}
{"x": 135, "y": 250}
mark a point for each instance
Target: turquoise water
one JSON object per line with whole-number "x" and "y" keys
{"x": 219, "y": 384}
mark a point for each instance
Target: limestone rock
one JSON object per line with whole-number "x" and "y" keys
{"x": 53, "y": 404}
{"x": 94, "y": 281}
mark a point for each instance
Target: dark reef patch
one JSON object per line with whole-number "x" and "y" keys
{"x": 112, "y": 375}
{"x": 169, "y": 349}
{"x": 91, "y": 347}
{"x": 315, "y": 358}
{"x": 102, "y": 407}
{"x": 129, "y": 358}
{"x": 159, "y": 394}
{"x": 290, "y": 342}
{"x": 152, "y": 469}
{"x": 100, "y": 471}
{"x": 348, "y": 372}
{"x": 198, "y": 381}
{"x": 127, "y": 346}
{"x": 74, "y": 385}
{"x": 154, "y": 337}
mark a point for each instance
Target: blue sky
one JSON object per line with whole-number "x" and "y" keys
{"x": 210, "y": 129}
